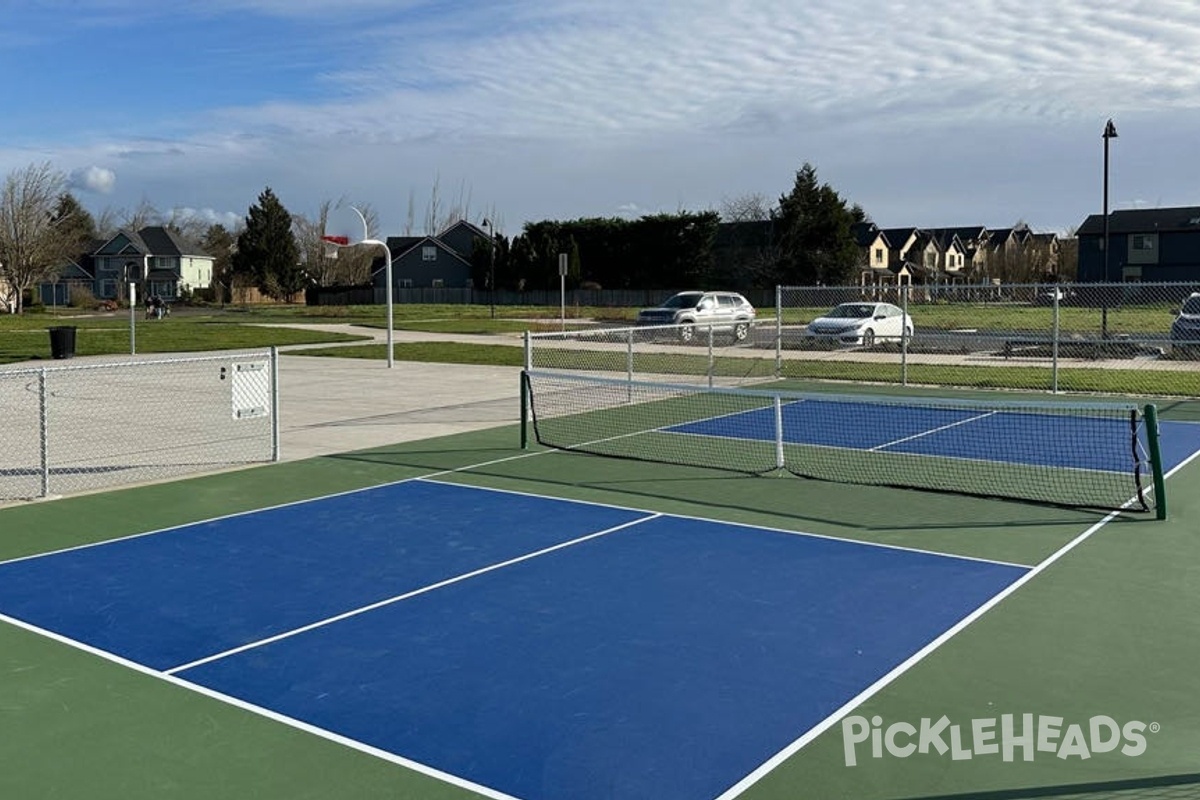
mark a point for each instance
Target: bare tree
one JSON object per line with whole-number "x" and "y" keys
{"x": 753, "y": 207}
{"x": 410, "y": 219}
{"x": 145, "y": 214}
{"x": 326, "y": 266}
{"x": 188, "y": 224}
{"x": 31, "y": 249}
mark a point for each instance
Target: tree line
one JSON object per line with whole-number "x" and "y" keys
{"x": 803, "y": 238}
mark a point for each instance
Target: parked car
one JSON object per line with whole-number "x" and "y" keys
{"x": 724, "y": 312}
{"x": 861, "y": 324}
{"x": 1185, "y": 330}
{"x": 1063, "y": 296}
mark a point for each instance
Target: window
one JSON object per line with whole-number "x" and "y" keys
{"x": 1142, "y": 241}
{"x": 108, "y": 289}
{"x": 438, "y": 283}
{"x": 878, "y": 255}
{"x": 405, "y": 283}
{"x": 429, "y": 253}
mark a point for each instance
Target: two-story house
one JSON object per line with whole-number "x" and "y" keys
{"x": 155, "y": 258}
{"x": 441, "y": 261}
{"x": 1153, "y": 244}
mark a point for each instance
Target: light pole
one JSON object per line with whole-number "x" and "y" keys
{"x": 491, "y": 265}
{"x": 1110, "y": 132}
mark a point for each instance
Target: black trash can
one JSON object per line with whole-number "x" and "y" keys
{"x": 62, "y": 342}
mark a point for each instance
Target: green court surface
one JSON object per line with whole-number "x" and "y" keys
{"x": 1110, "y": 627}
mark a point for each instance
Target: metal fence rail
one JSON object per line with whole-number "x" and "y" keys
{"x": 1120, "y": 338}
{"x": 74, "y": 428}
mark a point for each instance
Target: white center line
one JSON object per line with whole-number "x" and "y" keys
{"x": 397, "y": 598}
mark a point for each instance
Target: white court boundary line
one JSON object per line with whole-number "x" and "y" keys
{"x": 750, "y": 525}
{"x": 262, "y": 711}
{"x": 455, "y": 780}
{"x": 866, "y": 694}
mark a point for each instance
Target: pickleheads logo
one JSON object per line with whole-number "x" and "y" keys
{"x": 1006, "y": 737}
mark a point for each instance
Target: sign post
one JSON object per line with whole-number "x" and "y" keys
{"x": 562, "y": 289}
{"x": 132, "y": 318}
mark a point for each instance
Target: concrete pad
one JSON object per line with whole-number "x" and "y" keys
{"x": 332, "y": 405}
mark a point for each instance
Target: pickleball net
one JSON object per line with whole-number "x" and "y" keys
{"x": 1061, "y": 452}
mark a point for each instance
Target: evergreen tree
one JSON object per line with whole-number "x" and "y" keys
{"x": 815, "y": 242}
{"x": 219, "y": 243}
{"x": 267, "y": 253}
{"x": 74, "y": 224}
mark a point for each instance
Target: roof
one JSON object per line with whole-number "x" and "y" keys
{"x": 162, "y": 241}
{"x": 1143, "y": 220}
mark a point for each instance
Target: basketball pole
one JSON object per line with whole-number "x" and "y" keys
{"x": 387, "y": 261}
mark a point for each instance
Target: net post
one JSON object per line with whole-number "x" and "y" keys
{"x": 1160, "y": 483}
{"x": 524, "y": 410}
{"x": 779, "y": 463}
{"x": 904, "y": 335}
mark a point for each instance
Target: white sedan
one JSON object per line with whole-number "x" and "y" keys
{"x": 861, "y": 324}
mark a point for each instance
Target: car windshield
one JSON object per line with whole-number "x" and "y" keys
{"x": 688, "y": 300}
{"x": 852, "y": 311}
{"x": 1192, "y": 305}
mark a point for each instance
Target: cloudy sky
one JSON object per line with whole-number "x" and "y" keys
{"x": 926, "y": 113}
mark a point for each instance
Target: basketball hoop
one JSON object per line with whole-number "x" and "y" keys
{"x": 332, "y": 243}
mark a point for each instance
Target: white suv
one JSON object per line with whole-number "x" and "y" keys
{"x": 727, "y": 312}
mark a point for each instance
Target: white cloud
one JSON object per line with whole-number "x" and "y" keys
{"x": 97, "y": 180}
{"x": 981, "y": 110}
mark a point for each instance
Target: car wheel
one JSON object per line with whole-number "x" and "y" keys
{"x": 740, "y": 331}
{"x": 687, "y": 333}
{"x": 868, "y": 338}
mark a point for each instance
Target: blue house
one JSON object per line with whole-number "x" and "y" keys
{"x": 155, "y": 257}
{"x": 1159, "y": 244}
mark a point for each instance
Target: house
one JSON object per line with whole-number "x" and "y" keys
{"x": 973, "y": 241}
{"x": 878, "y": 268}
{"x": 156, "y": 258}
{"x": 441, "y": 261}
{"x": 1160, "y": 244}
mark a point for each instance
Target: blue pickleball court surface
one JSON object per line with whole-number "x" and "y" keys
{"x": 537, "y": 647}
{"x": 1078, "y": 442}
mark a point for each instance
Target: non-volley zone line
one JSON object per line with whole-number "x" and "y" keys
{"x": 982, "y": 434}
{"x": 600, "y": 670}
{"x": 185, "y": 594}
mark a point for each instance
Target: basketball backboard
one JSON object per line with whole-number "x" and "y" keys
{"x": 345, "y": 226}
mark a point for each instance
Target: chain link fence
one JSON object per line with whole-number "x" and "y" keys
{"x": 78, "y": 428}
{"x": 689, "y": 354}
{"x": 1138, "y": 339}
{"x": 1130, "y": 339}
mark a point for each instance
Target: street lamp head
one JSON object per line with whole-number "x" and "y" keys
{"x": 1110, "y": 130}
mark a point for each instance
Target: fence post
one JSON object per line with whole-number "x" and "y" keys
{"x": 629, "y": 364}
{"x": 44, "y": 432}
{"x": 711, "y": 360}
{"x": 275, "y": 427}
{"x": 1054, "y": 333}
{"x": 778, "y": 331}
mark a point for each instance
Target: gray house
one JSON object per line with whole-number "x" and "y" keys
{"x": 1159, "y": 244}
{"x": 442, "y": 261}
